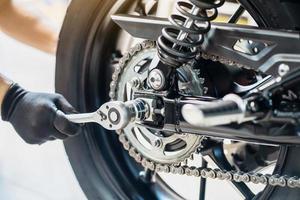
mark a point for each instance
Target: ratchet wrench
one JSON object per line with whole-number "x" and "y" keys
{"x": 114, "y": 115}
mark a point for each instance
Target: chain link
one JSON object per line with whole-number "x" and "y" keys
{"x": 237, "y": 176}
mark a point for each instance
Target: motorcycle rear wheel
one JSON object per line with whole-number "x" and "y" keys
{"x": 87, "y": 41}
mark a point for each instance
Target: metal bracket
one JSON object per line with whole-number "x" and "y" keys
{"x": 265, "y": 49}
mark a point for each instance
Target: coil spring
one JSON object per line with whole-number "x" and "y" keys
{"x": 179, "y": 43}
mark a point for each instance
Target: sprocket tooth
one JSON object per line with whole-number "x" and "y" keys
{"x": 117, "y": 75}
{"x": 177, "y": 168}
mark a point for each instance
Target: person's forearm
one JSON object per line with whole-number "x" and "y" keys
{"x": 5, "y": 83}
{"x": 26, "y": 28}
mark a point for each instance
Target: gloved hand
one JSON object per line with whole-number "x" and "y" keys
{"x": 38, "y": 117}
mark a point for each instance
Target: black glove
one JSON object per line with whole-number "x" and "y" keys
{"x": 38, "y": 117}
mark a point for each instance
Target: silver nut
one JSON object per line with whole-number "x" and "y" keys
{"x": 156, "y": 79}
{"x": 283, "y": 69}
{"x": 135, "y": 82}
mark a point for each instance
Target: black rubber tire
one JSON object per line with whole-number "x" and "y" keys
{"x": 76, "y": 37}
{"x": 99, "y": 171}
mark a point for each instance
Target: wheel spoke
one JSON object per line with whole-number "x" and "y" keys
{"x": 128, "y": 91}
{"x": 202, "y": 182}
{"x": 148, "y": 135}
{"x": 143, "y": 76}
{"x": 147, "y": 176}
{"x": 217, "y": 156}
{"x": 236, "y": 15}
{"x": 153, "y": 138}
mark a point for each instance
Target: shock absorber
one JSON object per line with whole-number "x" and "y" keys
{"x": 180, "y": 43}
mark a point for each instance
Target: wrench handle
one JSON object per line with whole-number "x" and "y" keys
{"x": 81, "y": 118}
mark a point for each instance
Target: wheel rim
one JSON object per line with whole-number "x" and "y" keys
{"x": 117, "y": 156}
{"x": 125, "y": 178}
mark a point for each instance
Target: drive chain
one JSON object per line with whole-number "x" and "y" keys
{"x": 178, "y": 168}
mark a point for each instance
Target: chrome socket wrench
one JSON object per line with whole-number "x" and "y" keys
{"x": 114, "y": 115}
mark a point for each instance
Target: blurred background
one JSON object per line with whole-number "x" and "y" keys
{"x": 34, "y": 172}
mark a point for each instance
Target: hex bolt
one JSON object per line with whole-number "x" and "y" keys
{"x": 253, "y": 106}
{"x": 255, "y": 49}
{"x": 156, "y": 79}
{"x": 283, "y": 69}
{"x": 135, "y": 82}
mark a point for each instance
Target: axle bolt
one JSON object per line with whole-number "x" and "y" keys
{"x": 156, "y": 79}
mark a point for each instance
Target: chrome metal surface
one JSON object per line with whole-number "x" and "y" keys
{"x": 178, "y": 168}
{"x": 164, "y": 148}
{"x": 156, "y": 79}
{"x": 114, "y": 115}
{"x": 232, "y": 109}
{"x": 283, "y": 69}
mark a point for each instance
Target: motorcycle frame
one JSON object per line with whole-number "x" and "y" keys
{"x": 275, "y": 47}
{"x": 174, "y": 122}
